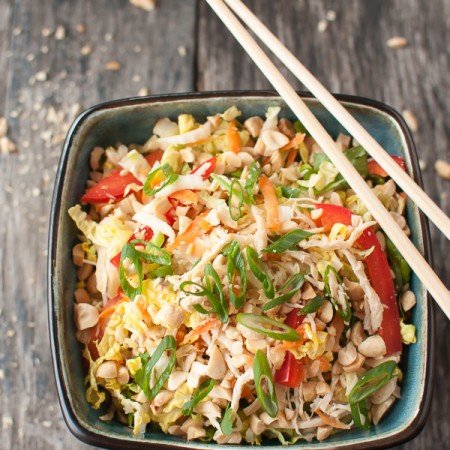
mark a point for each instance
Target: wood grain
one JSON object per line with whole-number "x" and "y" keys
{"x": 178, "y": 47}
{"x": 116, "y": 31}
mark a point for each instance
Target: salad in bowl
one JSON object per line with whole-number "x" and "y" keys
{"x": 232, "y": 287}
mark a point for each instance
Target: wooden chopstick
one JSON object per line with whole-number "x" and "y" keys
{"x": 416, "y": 261}
{"x": 355, "y": 129}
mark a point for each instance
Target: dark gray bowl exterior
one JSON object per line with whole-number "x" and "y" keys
{"x": 131, "y": 121}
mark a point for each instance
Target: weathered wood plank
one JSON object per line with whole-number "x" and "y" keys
{"x": 43, "y": 82}
{"x": 351, "y": 56}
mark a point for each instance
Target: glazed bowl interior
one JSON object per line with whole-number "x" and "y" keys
{"x": 131, "y": 121}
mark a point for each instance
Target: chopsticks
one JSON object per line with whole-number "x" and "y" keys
{"x": 402, "y": 179}
{"x": 413, "y": 257}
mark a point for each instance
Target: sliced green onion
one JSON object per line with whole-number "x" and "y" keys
{"x": 202, "y": 391}
{"x": 398, "y": 264}
{"x": 170, "y": 178}
{"x": 300, "y": 128}
{"x": 295, "y": 282}
{"x": 214, "y": 285}
{"x": 260, "y": 272}
{"x": 160, "y": 272}
{"x": 371, "y": 381}
{"x": 347, "y": 314}
{"x": 153, "y": 253}
{"x": 236, "y": 191}
{"x": 287, "y": 242}
{"x": 130, "y": 419}
{"x": 236, "y": 264}
{"x": 254, "y": 173}
{"x": 158, "y": 240}
{"x": 265, "y": 387}
{"x": 213, "y": 291}
{"x": 291, "y": 192}
{"x": 268, "y": 327}
{"x": 222, "y": 181}
{"x": 306, "y": 171}
{"x": 236, "y": 174}
{"x": 226, "y": 424}
{"x": 312, "y": 306}
{"x": 131, "y": 254}
{"x": 142, "y": 376}
{"x": 360, "y": 415}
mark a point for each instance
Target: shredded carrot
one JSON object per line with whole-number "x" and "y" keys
{"x": 196, "y": 228}
{"x": 247, "y": 393}
{"x": 181, "y": 333}
{"x": 331, "y": 420}
{"x": 325, "y": 365}
{"x": 294, "y": 142}
{"x": 201, "y": 141}
{"x": 291, "y": 157}
{"x": 194, "y": 334}
{"x": 204, "y": 327}
{"x": 157, "y": 180}
{"x": 270, "y": 203}
{"x": 108, "y": 311}
{"x": 234, "y": 140}
{"x": 185, "y": 196}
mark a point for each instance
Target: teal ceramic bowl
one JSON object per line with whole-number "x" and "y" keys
{"x": 131, "y": 121}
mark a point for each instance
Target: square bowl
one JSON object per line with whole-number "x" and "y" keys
{"x": 131, "y": 121}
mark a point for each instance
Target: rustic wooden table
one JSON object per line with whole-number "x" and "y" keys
{"x": 58, "y": 57}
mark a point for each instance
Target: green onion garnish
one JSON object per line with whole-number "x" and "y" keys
{"x": 236, "y": 267}
{"x": 287, "y": 242}
{"x": 202, "y": 391}
{"x": 226, "y": 424}
{"x": 260, "y": 272}
{"x": 313, "y": 306}
{"x": 345, "y": 313}
{"x": 269, "y": 327}
{"x": 371, "y": 381}
{"x": 160, "y": 272}
{"x": 213, "y": 291}
{"x": 265, "y": 387}
{"x": 360, "y": 415}
{"x": 169, "y": 178}
{"x": 295, "y": 283}
{"x": 142, "y": 376}
{"x": 153, "y": 253}
{"x": 132, "y": 255}
{"x": 236, "y": 191}
{"x": 254, "y": 173}
{"x": 300, "y": 128}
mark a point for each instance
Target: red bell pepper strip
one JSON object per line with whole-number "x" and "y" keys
{"x": 212, "y": 165}
{"x": 375, "y": 169}
{"x": 113, "y": 186}
{"x": 293, "y": 319}
{"x": 379, "y": 274}
{"x": 153, "y": 157}
{"x": 291, "y": 373}
{"x": 145, "y": 233}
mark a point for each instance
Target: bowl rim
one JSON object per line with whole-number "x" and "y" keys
{"x": 90, "y": 437}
